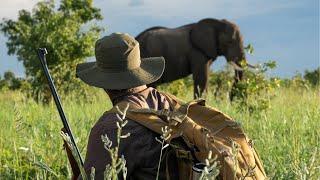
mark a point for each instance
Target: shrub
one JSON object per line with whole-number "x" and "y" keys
{"x": 253, "y": 93}
{"x": 10, "y": 81}
{"x": 313, "y": 77}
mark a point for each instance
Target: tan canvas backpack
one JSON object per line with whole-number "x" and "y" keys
{"x": 203, "y": 129}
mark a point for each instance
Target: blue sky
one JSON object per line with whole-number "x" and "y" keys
{"x": 286, "y": 31}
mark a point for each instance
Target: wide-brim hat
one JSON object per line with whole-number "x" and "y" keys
{"x": 118, "y": 64}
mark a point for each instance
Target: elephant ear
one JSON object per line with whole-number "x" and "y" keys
{"x": 203, "y": 37}
{"x": 229, "y": 33}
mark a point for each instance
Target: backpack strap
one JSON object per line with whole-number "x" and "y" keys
{"x": 181, "y": 126}
{"x": 174, "y": 102}
{"x": 150, "y": 121}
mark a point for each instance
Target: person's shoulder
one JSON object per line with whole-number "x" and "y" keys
{"x": 138, "y": 99}
{"x": 108, "y": 123}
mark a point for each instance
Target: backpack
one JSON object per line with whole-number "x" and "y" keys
{"x": 203, "y": 130}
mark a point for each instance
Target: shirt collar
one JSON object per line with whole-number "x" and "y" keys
{"x": 117, "y": 95}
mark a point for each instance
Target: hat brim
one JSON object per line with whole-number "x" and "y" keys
{"x": 150, "y": 70}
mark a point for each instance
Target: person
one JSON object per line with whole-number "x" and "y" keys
{"x": 121, "y": 72}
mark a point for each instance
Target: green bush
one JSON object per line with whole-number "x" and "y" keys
{"x": 10, "y": 81}
{"x": 254, "y": 92}
{"x": 220, "y": 83}
{"x": 313, "y": 77}
{"x": 179, "y": 87}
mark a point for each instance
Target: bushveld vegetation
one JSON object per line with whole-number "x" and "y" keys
{"x": 282, "y": 116}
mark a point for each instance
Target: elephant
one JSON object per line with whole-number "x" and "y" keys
{"x": 191, "y": 49}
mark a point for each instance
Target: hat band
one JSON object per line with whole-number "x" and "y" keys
{"x": 132, "y": 61}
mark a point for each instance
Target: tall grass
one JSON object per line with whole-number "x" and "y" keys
{"x": 287, "y": 135}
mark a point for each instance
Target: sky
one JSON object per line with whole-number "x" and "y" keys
{"x": 286, "y": 31}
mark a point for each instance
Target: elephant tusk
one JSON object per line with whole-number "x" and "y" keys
{"x": 236, "y": 66}
{"x": 252, "y": 66}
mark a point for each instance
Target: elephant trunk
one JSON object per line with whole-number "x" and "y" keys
{"x": 235, "y": 58}
{"x": 238, "y": 67}
{"x": 238, "y": 75}
{"x": 252, "y": 66}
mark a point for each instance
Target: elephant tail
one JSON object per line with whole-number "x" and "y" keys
{"x": 139, "y": 36}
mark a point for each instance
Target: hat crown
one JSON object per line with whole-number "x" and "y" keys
{"x": 117, "y": 52}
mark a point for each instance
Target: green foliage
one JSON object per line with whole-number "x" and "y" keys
{"x": 313, "y": 77}
{"x": 286, "y": 134}
{"x": 301, "y": 82}
{"x": 249, "y": 48}
{"x": 297, "y": 82}
{"x": 220, "y": 83}
{"x": 9, "y": 75}
{"x": 178, "y": 87}
{"x": 66, "y": 31}
{"x": 254, "y": 92}
{"x": 10, "y": 81}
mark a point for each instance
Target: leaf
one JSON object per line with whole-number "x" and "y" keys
{"x": 249, "y": 48}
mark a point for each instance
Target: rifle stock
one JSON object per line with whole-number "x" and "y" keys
{"x": 42, "y": 57}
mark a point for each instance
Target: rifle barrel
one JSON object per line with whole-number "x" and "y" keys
{"x": 42, "y": 56}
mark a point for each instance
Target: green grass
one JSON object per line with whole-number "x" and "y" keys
{"x": 287, "y": 135}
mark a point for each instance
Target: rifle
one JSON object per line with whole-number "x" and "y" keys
{"x": 66, "y": 128}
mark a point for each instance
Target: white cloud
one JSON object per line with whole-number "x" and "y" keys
{"x": 136, "y": 2}
{"x": 167, "y": 9}
{"x": 136, "y": 15}
{"x": 10, "y": 8}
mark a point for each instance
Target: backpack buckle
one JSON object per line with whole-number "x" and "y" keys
{"x": 183, "y": 154}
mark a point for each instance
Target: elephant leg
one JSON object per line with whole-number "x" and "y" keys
{"x": 200, "y": 71}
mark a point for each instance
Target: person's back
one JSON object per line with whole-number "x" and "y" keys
{"x": 140, "y": 149}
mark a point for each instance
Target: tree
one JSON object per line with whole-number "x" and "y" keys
{"x": 68, "y": 32}
{"x": 6, "y": 82}
{"x": 313, "y": 76}
{"x": 2, "y": 83}
{"x": 9, "y": 76}
{"x": 10, "y": 81}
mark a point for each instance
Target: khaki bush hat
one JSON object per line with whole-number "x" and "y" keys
{"x": 119, "y": 65}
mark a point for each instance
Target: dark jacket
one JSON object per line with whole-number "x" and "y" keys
{"x": 140, "y": 149}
